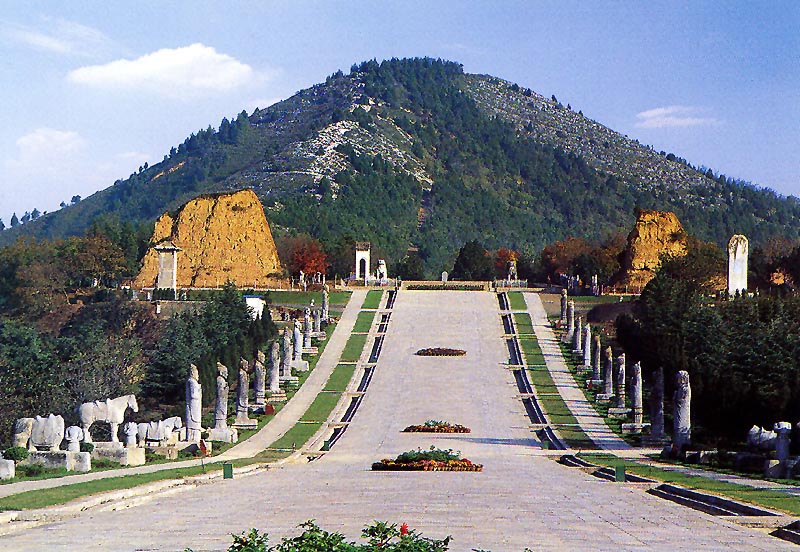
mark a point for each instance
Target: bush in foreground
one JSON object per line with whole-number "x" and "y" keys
{"x": 379, "y": 535}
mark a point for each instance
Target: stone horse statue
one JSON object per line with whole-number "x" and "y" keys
{"x": 111, "y": 411}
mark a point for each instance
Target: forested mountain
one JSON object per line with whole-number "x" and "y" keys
{"x": 415, "y": 152}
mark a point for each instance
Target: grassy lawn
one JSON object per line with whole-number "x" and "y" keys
{"x": 297, "y": 299}
{"x": 766, "y": 498}
{"x": 516, "y": 301}
{"x": 353, "y": 348}
{"x": 340, "y": 377}
{"x": 297, "y": 436}
{"x": 531, "y": 350}
{"x": 364, "y": 321}
{"x": 321, "y": 408}
{"x": 372, "y": 299}
{"x": 524, "y": 324}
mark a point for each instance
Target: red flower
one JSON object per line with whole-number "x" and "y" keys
{"x": 404, "y": 529}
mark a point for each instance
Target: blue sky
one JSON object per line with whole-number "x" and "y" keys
{"x": 92, "y": 90}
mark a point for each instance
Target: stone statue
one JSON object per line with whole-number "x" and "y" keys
{"x": 760, "y": 438}
{"x": 636, "y": 393}
{"x": 73, "y": 435}
{"x": 596, "y": 358}
{"x": 194, "y": 405}
{"x": 286, "y": 369}
{"x": 276, "y": 394}
{"x": 587, "y": 345}
{"x": 682, "y": 399}
{"x": 563, "y": 306}
{"x": 131, "y": 431}
{"x": 259, "y": 376}
{"x": 297, "y": 340}
{"x": 619, "y": 382}
{"x": 325, "y": 304}
{"x": 657, "y": 405}
{"x": 22, "y": 432}
{"x": 577, "y": 336}
{"x": 221, "y": 402}
{"x": 242, "y": 399}
{"x": 570, "y": 322}
{"x": 784, "y": 431}
{"x": 109, "y": 410}
{"x": 317, "y": 318}
{"x": 608, "y": 371}
{"x": 159, "y": 432}
{"x": 47, "y": 433}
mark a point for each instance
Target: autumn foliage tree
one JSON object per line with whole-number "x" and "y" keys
{"x": 302, "y": 253}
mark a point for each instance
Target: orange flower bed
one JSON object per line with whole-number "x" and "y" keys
{"x": 437, "y": 427}
{"x": 440, "y": 351}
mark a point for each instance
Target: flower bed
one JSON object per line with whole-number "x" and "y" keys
{"x": 437, "y": 426}
{"x": 440, "y": 351}
{"x": 430, "y": 460}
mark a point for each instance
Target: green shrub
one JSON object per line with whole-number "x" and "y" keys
{"x": 87, "y": 447}
{"x": 30, "y": 470}
{"x": 15, "y": 453}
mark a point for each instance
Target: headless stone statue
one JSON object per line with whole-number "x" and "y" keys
{"x": 259, "y": 374}
{"x": 194, "y": 403}
{"x": 682, "y": 399}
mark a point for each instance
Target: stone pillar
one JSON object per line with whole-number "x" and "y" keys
{"x": 286, "y": 368}
{"x": 297, "y": 340}
{"x": 242, "y": 399}
{"x": 636, "y": 393}
{"x": 577, "y": 336}
{"x": 570, "y": 322}
{"x": 194, "y": 402}
{"x": 682, "y": 399}
{"x": 596, "y": 358}
{"x": 276, "y": 394}
{"x": 657, "y": 405}
{"x": 608, "y": 371}
{"x": 221, "y": 402}
{"x": 587, "y": 345}
{"x": 784, "y": 431}
{"x": 307, "y": 327}
{"x": 325, "y": 305}
{"x": 619, "y": 382}
{"x": 317, "y": 317}
{"x": 737, "y": 264}
{"x": 563, "y": 306}
{"x": 259, "y": 376}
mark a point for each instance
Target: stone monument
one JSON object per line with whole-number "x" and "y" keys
{"x": 596, "y": 376}
{"x": 286, "y": 360}
{"x": 22, "y": 432}
{"x": 564, "y": 300}
{"x": 276, "y": 394}
{"x": 242, "y": 400}
{"x": 657, "y": 407}
{"x": 221, "y": 431}
{"x": 636, "y": 399}
{"x": 570, "y": 322}
{"x": 297, "y": 357}
{"x": 307, "y": 329}
{"x": 608, "y": 378}
{"x": 618, "y": 408}
{"x": 74, "y": 436}
{"x": 259, "y": 377}
{"x": 737, "y": 265}
{"x": 131, "y": 432}
{"x": 577, "y": 337}
{"x": 587, "y": 346}
{"x": 194, "y": 405}
{"x": 47, "y": 433}
{"x": 682, "y": 399}
{"x": 325, "y": 304}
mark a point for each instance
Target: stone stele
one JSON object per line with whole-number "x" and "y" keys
{"x": 737, "y": 264}
{"x": 222, "y": 237}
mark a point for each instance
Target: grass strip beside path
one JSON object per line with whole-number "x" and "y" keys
{"x": 297, "y": 299}
{"x": 321, "y": 408}
{"x": 364, "y": 321}
{"x": 523, "y": 322}
{"x": 297, "y": 436}
{"x": 760, "y": 497}
{"x": 353, "y": 348}
{"x": 373, "y": 299}
{"x": 340, "y": 377}
{"x": 516, "y": 301}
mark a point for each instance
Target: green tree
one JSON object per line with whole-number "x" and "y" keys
{"x": 473, "y": 263}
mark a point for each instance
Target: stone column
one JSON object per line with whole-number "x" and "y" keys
{"x": 636, "y": 393}
{"x": 596, "y": 358}
{"x": 608, "y": 371}
{"x": 682, "y": 399}
{"x": 317, "y": 316}
{"x": 784, "y": 431}
{"x": 619, "y": 382}
{"x": 221, "y": 402}
{"x": 563, "y": 306}
{"x": 259, "y": 376}
{"x": 276, "y": 394}
{"x": 286, "y": 368}
{"x": 577, "y": 335}
{"x": 570, "y": 322}
{"x": 242, "y": 399}
{"x": 587, "y": 345}
{"x": 297, "y": 340}
{"x": 307, "y": 328}
{"x": 325, "y": 305}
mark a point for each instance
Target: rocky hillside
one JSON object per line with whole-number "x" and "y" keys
{"x": 415, "y": 152}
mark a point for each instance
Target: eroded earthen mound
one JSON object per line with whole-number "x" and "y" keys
{"x": 222, "y": 237}
{"x": 656, "y": 233}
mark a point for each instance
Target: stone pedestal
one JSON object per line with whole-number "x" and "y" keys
{"x": 634, "y": 429}
{"x": 619, "y": 413}
{"x": 310, "y": 350}
{"x": 299, "y": 365}
{"x": 603, "y": 398}
{"x": 7, "y": 469}
{"x": 224, "y": 435}
{"x": 116, "y": 452}
{"x": 70, "y": 461}
{"x": 277, "y": 396}
{"x": 245, "y": 423}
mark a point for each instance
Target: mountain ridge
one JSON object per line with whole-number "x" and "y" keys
{"x": 445, "y": 157}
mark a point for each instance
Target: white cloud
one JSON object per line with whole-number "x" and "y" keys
{"x": 177, "y": 72}
{"x": 42, "y": 150}
{"x": 672, "y": 116}
{"x": 58, "y": 36}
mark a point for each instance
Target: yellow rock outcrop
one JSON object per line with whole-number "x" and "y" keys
{"x": 222, "y": 237}
{"x": 655, "y": 233}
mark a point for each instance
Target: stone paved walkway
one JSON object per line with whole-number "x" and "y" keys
{"x": 282, "y": 422}
{"x": 591, "y": 423}
{"x": 522, "y": 498}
